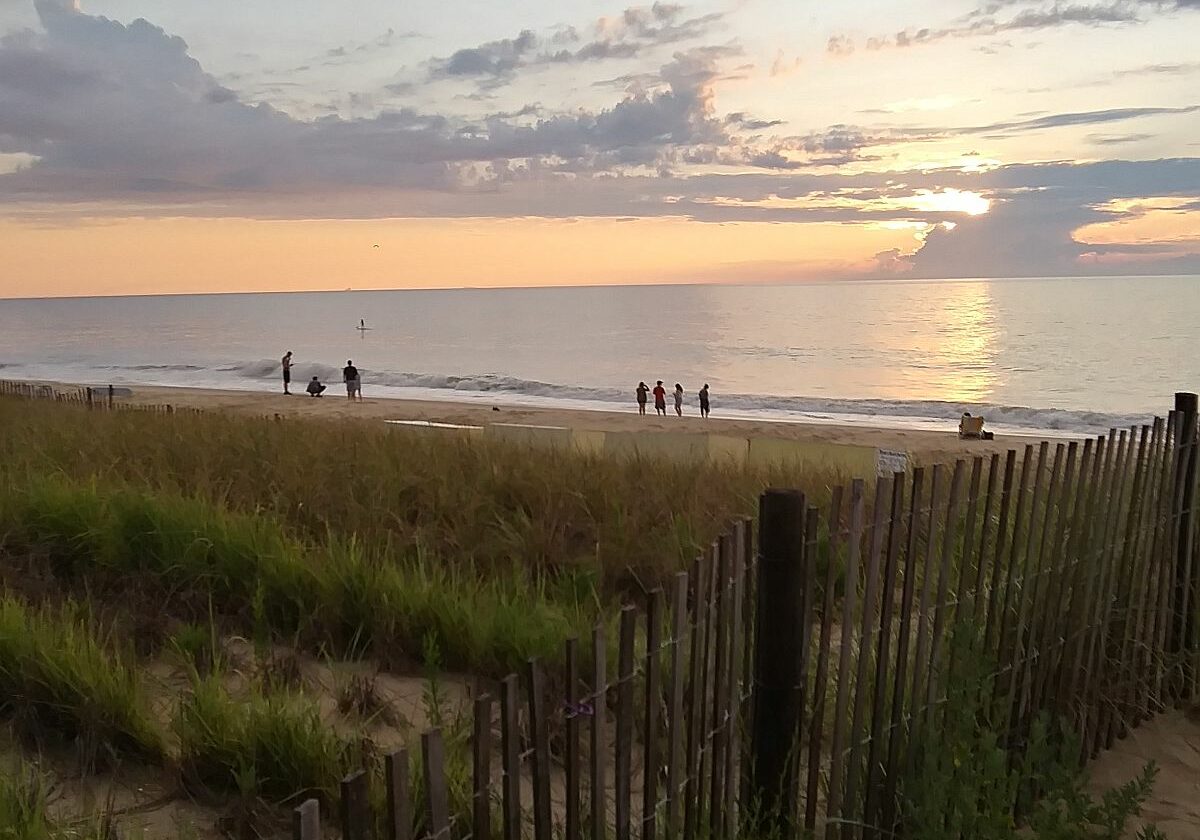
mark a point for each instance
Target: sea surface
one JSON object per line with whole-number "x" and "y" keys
{"x": 1032, "y": 355}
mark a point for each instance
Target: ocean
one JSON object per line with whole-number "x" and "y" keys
{"x": 1069, "y": 355}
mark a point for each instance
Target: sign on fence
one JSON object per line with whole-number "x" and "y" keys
{"x": 891, "y": 461}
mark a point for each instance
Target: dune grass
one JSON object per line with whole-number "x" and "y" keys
{"x": 23, "y": 796}
{"x": 186, "y": 553}
{"x": 263, "y": 742}
{"x": 615, "y": 523}
{"x": 57, "y": 677}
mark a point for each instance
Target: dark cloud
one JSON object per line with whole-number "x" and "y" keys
{"x": 634, "y": 32}
{"x": 497, "y": 60}
{"x": 1031, "y": 230}
{"x": 119, "y": 111}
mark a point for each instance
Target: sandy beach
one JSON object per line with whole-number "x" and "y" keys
{"x": 923, "y": 447}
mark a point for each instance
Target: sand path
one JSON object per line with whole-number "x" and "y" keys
{"x": 1172, "y": 741}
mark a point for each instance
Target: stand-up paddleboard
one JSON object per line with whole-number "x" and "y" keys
{"x": 362, "y": 326}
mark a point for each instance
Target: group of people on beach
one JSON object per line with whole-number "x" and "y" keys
{"x": 660, "y": 398}
{"x": 350, "y": 376}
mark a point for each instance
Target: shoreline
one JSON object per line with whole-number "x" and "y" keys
{"x": 922, "y": 446}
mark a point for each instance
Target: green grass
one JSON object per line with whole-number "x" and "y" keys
{"x": 465, "y": 504}
{"x": 58, "y": 677}
{"x": 352, "y": 537}
{"x": 178, "y": 551}
{"x": 267, "y": 743}
{"x": 24, "y": 797}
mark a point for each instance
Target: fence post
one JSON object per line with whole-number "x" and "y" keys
{"x": 306, "y": 821}
{"x": 354, "y": 813}
{"x": 110, "y": 396}
{"x": 1181, "y": 503}
{"x": 777, "y": 700}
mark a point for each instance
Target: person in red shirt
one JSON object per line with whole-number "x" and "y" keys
{"x": 660, "y": 399}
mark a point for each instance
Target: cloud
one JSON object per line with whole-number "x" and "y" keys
{"x": 1116, "y": 139}
{"x": 115, "y": 112}
{"x": 635, "y": 31}
{"x": 495, "y": 59}
{"x": 782, "y": 65}
{"x": 839, "y": 45}
{"x": 1182, "y": 69}
{"x": 120, "y": 119}
{"x": 1075, "y": 118}
{"x": 984, "y": 22}
{"x": 739, "y": 119}
{"x": 385, "y": 41}
{"x": 862, "y": 137}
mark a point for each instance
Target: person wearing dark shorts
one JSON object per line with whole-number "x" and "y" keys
{"x": 353, "y": 383}
{"x": 642, "y": 392}
{"x": 287, "y": 371}
{"x": 660, "y": 399}
{"x": 704, "y": 400}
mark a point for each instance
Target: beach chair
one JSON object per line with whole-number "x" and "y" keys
{"x": 971, "y": 428}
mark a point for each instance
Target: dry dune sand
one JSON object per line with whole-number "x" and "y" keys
{"x": 1172, "y": 741}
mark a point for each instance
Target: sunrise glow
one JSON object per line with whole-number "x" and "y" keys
{"x": 572, "y": 143}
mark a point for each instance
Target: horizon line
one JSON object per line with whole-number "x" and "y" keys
{"x": 552, "y": 286}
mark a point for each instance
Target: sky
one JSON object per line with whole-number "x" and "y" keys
{"x": 150, "y": 147}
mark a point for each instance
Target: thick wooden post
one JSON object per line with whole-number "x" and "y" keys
{"x": 1184, "y": 640}
{"x": 778, "y": 631}
{"x": 110, "y": 396}
{"x": 355, "y": 816}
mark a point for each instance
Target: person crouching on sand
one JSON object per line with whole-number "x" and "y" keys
{"x": 678, "y": 400}
{"x": 660, "y": 399}
{"x": 352, "y": 380}
{"x": 704, "y": 400}
{"x": 315, "y": 388}
{"x": 642, "y": 392}
{"x": 287, "y": 371}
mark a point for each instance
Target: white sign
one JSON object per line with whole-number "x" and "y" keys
{"x": 889, "y": 461}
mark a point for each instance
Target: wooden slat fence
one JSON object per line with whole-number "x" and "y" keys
{"x": 787, "y": 683}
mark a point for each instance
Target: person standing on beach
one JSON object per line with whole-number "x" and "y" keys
{"x": 678, "y": 400}
{"x": 660, "y": 399}
{"x": 352, "y": 380}
{"x": 643, "y": 392}
{"x": 287, "y": 371}
{"x": 704, "y": 400}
